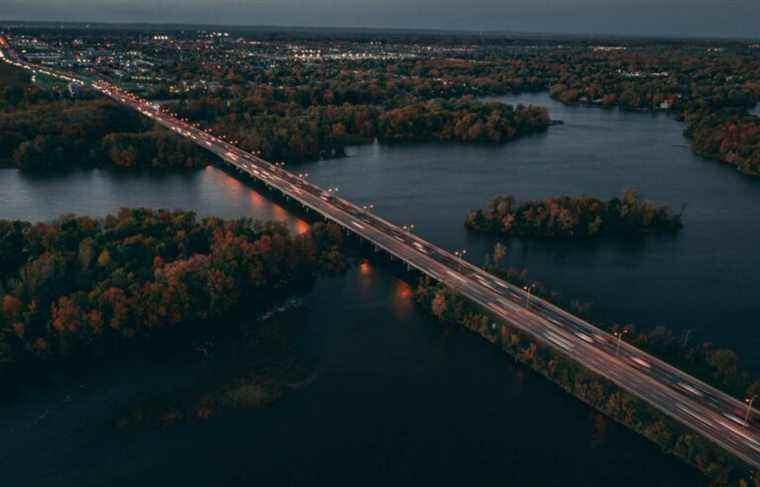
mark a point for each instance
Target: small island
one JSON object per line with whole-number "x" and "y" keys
{"x": 579, "y": 217}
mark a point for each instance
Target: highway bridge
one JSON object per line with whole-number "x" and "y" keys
{"x": 706, "y": 410}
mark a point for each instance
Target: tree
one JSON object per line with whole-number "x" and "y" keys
{"x": 725, "y": 362}
{"x": 439, "y": 306}
{"x": 42, "y": 152}
{"x": 754, "y": 389}
{"x": 499, "y": 252}
{"x": 104, "y": 258}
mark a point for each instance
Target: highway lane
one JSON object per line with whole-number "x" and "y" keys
{"x": 695, "y": 404}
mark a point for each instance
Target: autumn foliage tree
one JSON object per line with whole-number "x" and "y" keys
{"x": 81, "y": 286}
{"x": 574, "y": 217}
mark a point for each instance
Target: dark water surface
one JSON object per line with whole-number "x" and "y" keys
{"x": 706, "y": 279}
{"x": 397, "y": 399}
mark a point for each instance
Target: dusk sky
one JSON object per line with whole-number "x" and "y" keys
{"x": 644, "y": 17}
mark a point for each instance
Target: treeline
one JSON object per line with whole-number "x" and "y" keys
{"x": 293, "y": 125}
{"x": 632, "y": 76}
{"x": 389, "y": 84}
{"x": 718, "y": 366}
{"x": 81, "y": 287}
{"x": 574, "y": 217}
{"x": 656, "y": 77}
{"x": 711, "y": 89}
{"x": 155, "y": 149}
{"x": 464, "y": 120}
{"x": 45, "y": 130}
{"x": 596, "y": 391}
{"x": 730, "y": 136}
{"x": 61, "y": 134}
{"x": 285, "y": 132}
{"x": 317, "y": 133}
{"x": 17, "y": 91}
{"x": 46, "y": 135}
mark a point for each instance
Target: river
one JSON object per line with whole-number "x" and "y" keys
{"x": 705, "y": 279}
{"x": 397, "y": 398}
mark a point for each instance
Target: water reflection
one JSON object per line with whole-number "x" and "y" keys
{"x": 280, "y": 213}
{"x": 365, "y": 269}
{"x": 301, "y": 226}
{"x": 403, "y": 299}
{"x": 97, "y": 192}
{"x": 599, "y": 431}
{"x": 366, "y": 281}
{"x": 257, "y": 200}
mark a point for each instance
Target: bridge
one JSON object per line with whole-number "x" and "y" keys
{"x": 711, "y": 413}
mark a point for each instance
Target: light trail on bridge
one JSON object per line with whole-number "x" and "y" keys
{"x": 702, "y": 408}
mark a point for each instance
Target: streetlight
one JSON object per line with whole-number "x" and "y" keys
{"x": 459, "y": 254}
{"x": 529, "y": 290}
{"x": 749, "y": 402}
{"x": 619, "y": 335}
{"x": 368, "y": 207}
{"x": 408, "y": 228}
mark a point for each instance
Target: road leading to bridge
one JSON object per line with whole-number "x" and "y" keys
{"x": 706, "y": 410}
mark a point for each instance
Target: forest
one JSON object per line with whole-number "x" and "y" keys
{"x": 282, "y": 131}
{"x": 296, "y": 111}
{"x": 80, "y": 287}
{"x": 729, "y": 136}
{"x": 61, "y": 134}
{"x": 568, "y": 217}
{"x": 46, "y": 129}
{"x": 711, "y": 90}
{"x": 464, "y": 120}
{"x": 49, "y": 130}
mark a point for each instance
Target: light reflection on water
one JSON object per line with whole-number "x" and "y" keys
{"x": 209, "y": 192}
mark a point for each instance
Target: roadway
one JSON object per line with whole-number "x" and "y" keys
{"x": 700, "y": 407}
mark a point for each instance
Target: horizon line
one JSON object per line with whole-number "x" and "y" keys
{"x": 428, "y": 30}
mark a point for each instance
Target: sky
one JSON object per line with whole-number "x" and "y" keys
{"x": 725, "y": 18}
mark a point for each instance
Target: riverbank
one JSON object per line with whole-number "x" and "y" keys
{"x": 721, "y": 130}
